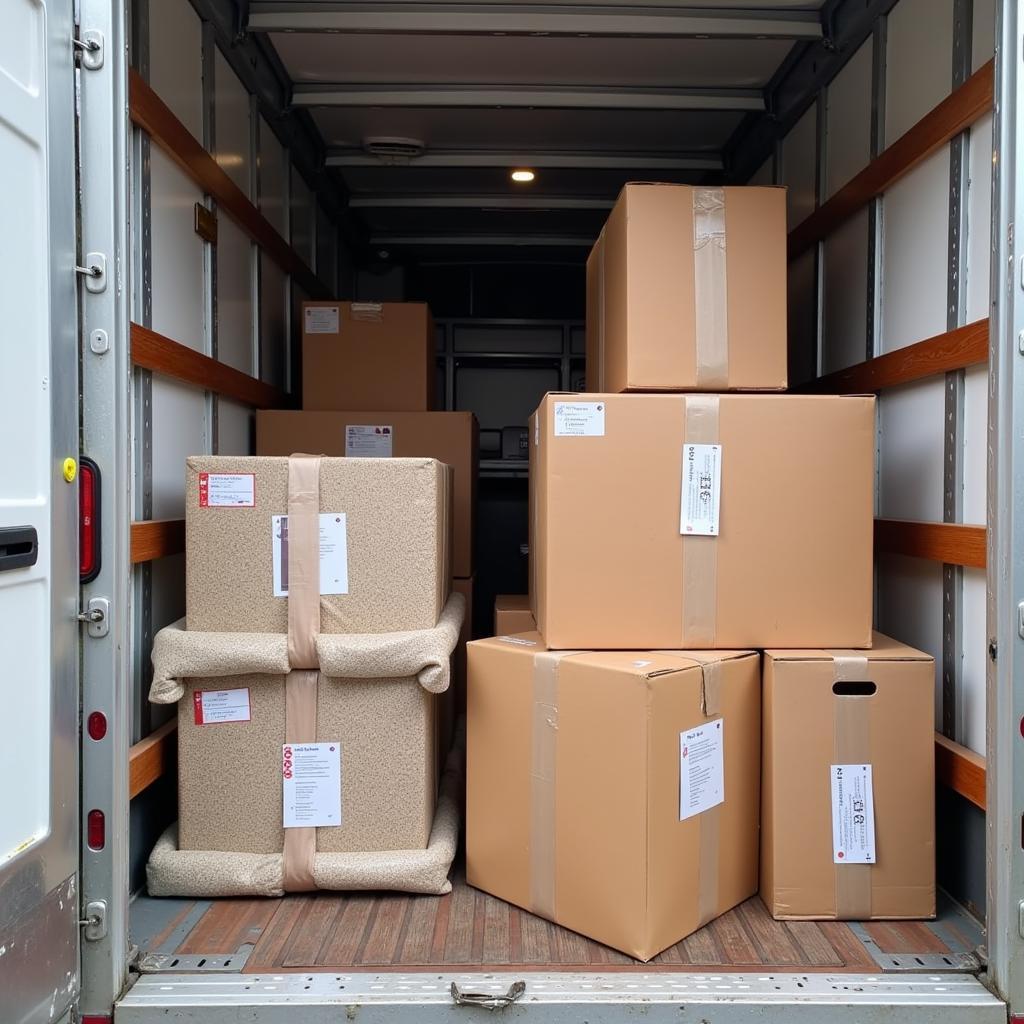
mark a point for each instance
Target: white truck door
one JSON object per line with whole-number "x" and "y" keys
{"x": 39, "y": 907}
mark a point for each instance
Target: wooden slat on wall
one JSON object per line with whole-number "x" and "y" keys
{"x": 954, "y": 350}
{"x": 157, "y": 538}
{"x": 949, "y": 543}
{"x": 960, "y": 770}
{"x": 153, "y": 116}
{"x": 956, "y": 112}
{"x": 152, "y": 758}
{"x": 152, "y": 351}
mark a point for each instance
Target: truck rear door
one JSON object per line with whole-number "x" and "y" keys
{"x": 38, "y": 516}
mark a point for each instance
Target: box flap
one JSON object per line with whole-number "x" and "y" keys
{"x": 883, "y": 648}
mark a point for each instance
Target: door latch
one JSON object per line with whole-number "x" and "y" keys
{"x": 94, "y": 272}
{"x": 97, "y": 617}
{"x": 89, "y": 48}
{"x": 95, "y": 921}
{"x": 489, "y": 1000}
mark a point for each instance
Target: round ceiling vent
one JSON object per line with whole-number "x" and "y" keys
{"x": 392, "y": 150}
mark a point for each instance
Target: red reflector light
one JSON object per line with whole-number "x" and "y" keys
{"x": 88, "y": 520}
{"x": 97, "y": 725}
{"x": 95, "y": 1018}
{"x": 96, "y": 830}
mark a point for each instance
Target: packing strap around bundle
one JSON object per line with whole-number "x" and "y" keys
{"x": 303, "y": 559}
{"x": 543, "y": 809}
{"x": 851, "y": 726}
{"x": 299, "y": 853}
{"x": 700, "y": 553}
{"x": 710, "y": 290}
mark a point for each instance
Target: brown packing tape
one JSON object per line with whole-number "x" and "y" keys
{"x": 710, "y": 289}
{"x": 299, "y": 854}
{"x": 303, "y": 560}
{"x": 700, "y": 554}
{"x": 852, "y": 745}
{"x": 544, "y": 744}
{"x": 710, "y": 820}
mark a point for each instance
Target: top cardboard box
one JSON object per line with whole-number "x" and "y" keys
{"x": 686, "y": 291}
{"x": 368, "y": 355}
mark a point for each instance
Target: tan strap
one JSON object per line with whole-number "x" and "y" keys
{"x": 707, "y": 864}
{"x": 852, "y": 745}
{"x": 710, "y": 289}
{"x": 700, "y": 554}
{"x": 299, "y": 854}
{"x": 303, "y": 559}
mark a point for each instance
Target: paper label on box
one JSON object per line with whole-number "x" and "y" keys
{"x": 333, "y": 553}
{"x": 214, "y": 707}
{"x": 853, "y": 814}
{"x": 701, "y": 490}
{"x": 368, "y": 441}
{"x": 579, "y": 419}
{"x": 517, "y": 640}
{"x": 227, "y": 490}
{"x": 321, "y": 319}
{"x": 701, "y": 769}
{"x": 311, "y": 774}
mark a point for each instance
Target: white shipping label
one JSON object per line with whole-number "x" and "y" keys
{"x": 321, "y": 320}
{"x": 701, "y": 769}
{"x": 368, "y": 441}
{"x": 701, "y": 491}
{"x": 214, "y": 707}
{"x": 853, "y": 815}
{"x": 579, "y": 419}
{"x": 311, "y": 774}
{"x": 333, "y": 553}
{"x": 227, "y": 490}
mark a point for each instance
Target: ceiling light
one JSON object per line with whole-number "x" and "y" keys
{"x": 523, "y": 175}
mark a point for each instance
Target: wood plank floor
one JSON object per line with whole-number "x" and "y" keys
{"x": 470, "y": 929}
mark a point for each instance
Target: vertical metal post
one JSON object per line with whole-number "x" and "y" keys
{"x": 286, "y": 341}
{"x": 820, "y": 188}
{"x": 952, "y": 460}
{"x": 104, "y": 212}
{"x": 209, "y": 101}
{"x": 256, "y": 192}
{"x": 1005, "y": 554}
{"x": 879, "y": 43}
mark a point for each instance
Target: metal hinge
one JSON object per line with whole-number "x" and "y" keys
{"x": 489, "y": 1000}
{"x": 88, "y": 48}
{"x": 95, "y": 921}
{"x": 193, "y": 963}
{"x": 97, "y": 617}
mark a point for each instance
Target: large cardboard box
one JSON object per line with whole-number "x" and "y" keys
{"x": 686, "y": 290}
{"x": 385, "y": 544}
{"x": 449, "y": 437}
{"x": 368, "y": 355}
{"x": 615, "y": 793}
{"x": 828, "y": 715}
{"x": 630, "y": 487}
{"x": 231, "y": 731}
{"x": 512, "y": 614}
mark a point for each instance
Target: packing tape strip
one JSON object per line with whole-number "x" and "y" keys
{"x": 851, "y": 724}
{"x": 303, "y": 560}
{"x": 710, "y": 820}
{"x": 544, "y": 743}
{"x": 299, "y": 853}
{"x": 710, "y": 289}
{"x": 700, "y": 554}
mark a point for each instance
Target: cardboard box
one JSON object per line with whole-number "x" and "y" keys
{"x": 686, "y": 291}
{"x": 449, "y": 437}
{"x": 617, "y": 567}
{"x": 368, "y": 355}
{"x": 849, "y": 708}
{"x": 575, "y": 763}
{"x": 392, "y": 519}
{"x": 229, "y": 771}
{"x": 512, "y": 615}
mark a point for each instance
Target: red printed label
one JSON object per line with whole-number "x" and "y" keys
{"x": 215, "y": 707}
{"x": 227, "y": 490}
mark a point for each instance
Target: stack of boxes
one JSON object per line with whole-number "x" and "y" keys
{"x": 637, "y": 766}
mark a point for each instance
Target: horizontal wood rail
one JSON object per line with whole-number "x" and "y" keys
{"x": 949, "y": 543}
{"x": 153, "y": 116}
{"x": 157, "y": 538}
{"x": 954, "y": 350}
{"x": 152, "y": 351}
{"x": 152, "y": 758}
{"x": 956, "y": 112}
{"x": 960, "y": 770}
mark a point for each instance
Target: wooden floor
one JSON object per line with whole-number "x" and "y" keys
{"x": 467, "y": 928}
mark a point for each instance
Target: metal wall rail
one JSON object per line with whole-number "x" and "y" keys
{"x": 154, "y": 117}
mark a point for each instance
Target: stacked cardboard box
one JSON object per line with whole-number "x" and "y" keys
{"x": 668, "y": 510}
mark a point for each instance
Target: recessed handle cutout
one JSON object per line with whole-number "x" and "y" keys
{"x": 854, "y": 689}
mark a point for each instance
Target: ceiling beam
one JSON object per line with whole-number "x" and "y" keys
{"x": 456, "y": 201}
{"x": 515, "y": 241}
{"x": 486, "y": 158}
{"x": 565, "y": 19}
{"x": 525, "y": 97}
